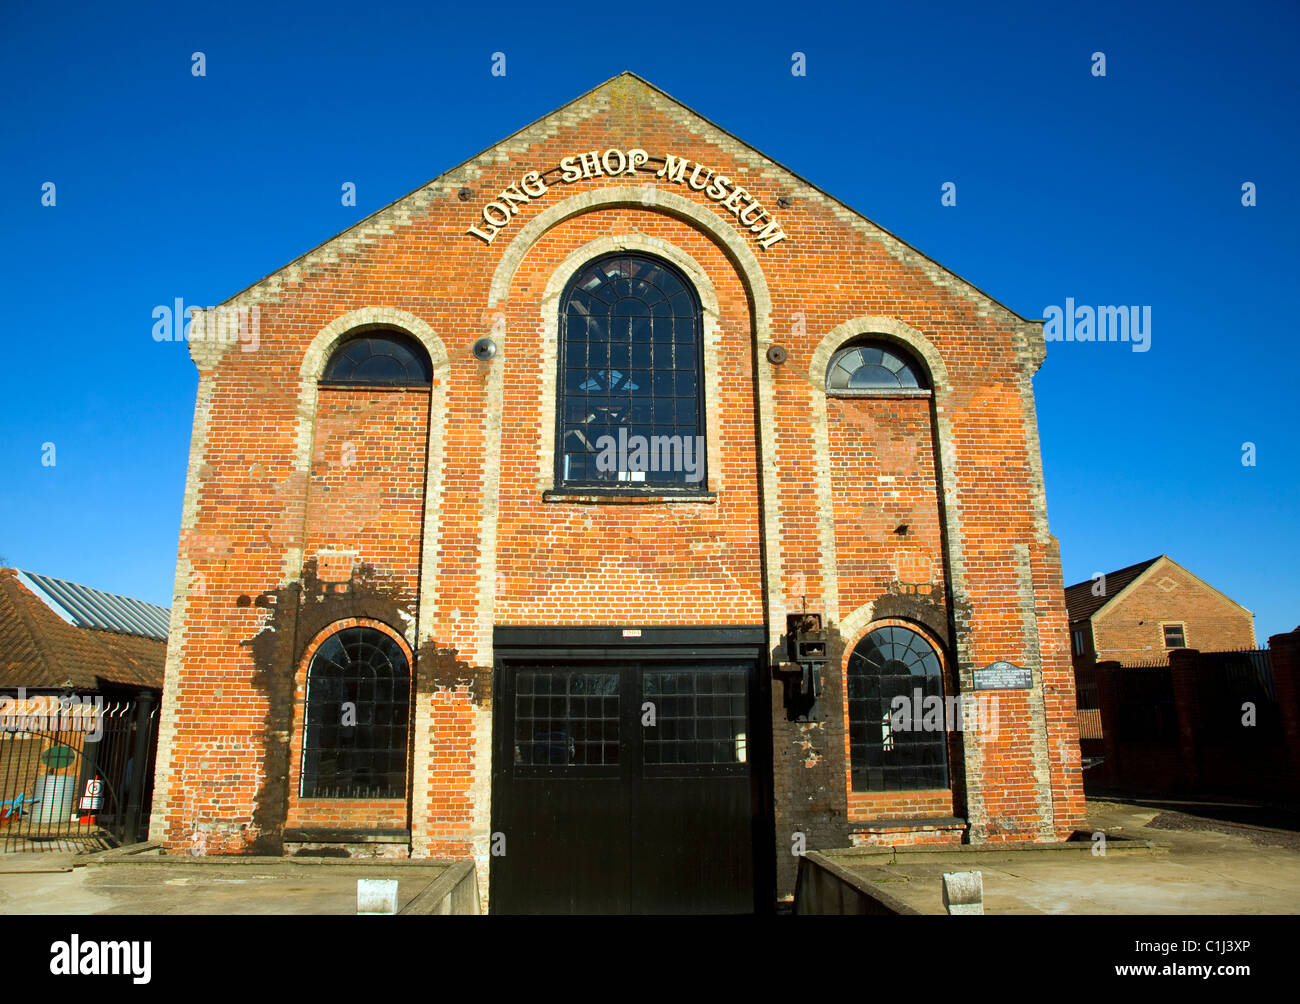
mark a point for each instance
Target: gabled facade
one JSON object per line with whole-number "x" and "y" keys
{"x": 536, "y": 473}
{"x": 1142, "y": 612}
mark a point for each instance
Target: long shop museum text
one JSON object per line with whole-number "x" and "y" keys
{"x": 615, "y": 163}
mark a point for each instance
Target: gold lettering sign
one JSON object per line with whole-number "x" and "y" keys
{"x": 615, "y": 163}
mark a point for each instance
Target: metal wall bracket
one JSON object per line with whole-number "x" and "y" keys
{"x": 805, "y": 644}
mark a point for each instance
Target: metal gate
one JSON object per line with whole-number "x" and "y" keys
{"x": 76, "y": 773}
{"x": 630, "y": 775}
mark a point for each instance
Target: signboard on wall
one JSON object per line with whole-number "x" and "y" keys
{"x": 1004, "y": 676}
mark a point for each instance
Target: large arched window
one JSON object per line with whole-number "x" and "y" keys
{"x": 898, "y": 718}
{"x": 358, "y": 717}
{"x": 383, "y": 358}
{"x": 875, "y": 367}
{"x": 630, "y": 413}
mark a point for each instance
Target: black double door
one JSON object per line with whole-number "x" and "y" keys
{"x": 628, "y": 781}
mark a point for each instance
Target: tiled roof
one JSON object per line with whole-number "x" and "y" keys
{"x": 1081, "y": 602}
{"x": 42, "y": 648}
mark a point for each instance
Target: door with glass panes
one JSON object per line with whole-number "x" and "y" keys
{"x": 625, "y": 786}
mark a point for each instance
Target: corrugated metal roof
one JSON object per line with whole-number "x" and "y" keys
{"x": 94, "y": 608}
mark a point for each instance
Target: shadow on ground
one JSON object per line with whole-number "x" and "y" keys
{"x": 1245, "y": 814}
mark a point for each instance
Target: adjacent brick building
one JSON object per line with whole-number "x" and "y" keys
{"x": 1142, "y": 612}
{"x": 419, "y": 496}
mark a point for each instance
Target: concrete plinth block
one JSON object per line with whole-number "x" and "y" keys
{"x": 376, "y": 896}
{"x": 963, "y": 892}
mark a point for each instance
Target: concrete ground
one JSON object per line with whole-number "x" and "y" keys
{"x": 1207, "y": 862}
{"x": 1197, "y": 865}
{"x": 54, "y": 883}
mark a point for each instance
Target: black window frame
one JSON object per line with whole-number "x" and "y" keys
{"x": 398, "y": 337}
{"x": 331, "y": 689}
{"x": 579, "y": 710}
{"x": 563, "y": 486}
{"x": 702, "y": 721}
{"x": 924, "y": 388}
{"x": 866, "y": 731}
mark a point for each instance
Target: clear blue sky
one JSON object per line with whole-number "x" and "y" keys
{"x": 1117, "y": 190}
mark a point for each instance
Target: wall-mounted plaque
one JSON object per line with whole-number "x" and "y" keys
{"x": 1004, "y": 676}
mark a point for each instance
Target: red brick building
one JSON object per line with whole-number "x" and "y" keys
{"x": 505, "y": 506}
{"x": 1142, "y": 612}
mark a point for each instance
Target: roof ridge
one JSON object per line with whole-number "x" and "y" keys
{"x": 1083, "y": 603}
{"x": 275, "y": 280}
{"x": 1118, "y": 571}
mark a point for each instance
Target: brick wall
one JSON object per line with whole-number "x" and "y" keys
{"x": 455, "y": 537}
{"x": 1210, "y": 724}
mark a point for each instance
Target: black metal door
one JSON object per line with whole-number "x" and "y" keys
{"x": 627, "y": 782}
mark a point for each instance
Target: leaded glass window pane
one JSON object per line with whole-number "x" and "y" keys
{"x": 387, "y": 358}
{"x": 358, "y": 717}
{"x": 630, "y": 409}
{"x": 874, "y": 366}
{"x": 891, "y": 751}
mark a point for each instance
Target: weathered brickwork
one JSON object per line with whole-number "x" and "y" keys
{"x": 335, "y": 813}
{"x": 433, "y": 501}
{"x": 628, "y": 563}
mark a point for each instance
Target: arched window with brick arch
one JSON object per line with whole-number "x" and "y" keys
{"x": 630, "y": 397}
{"x": 869, "y": 366}
{"x": 893, "y": 742}
{"x": 358, "y": 713}
{"x": 381, "y": 357}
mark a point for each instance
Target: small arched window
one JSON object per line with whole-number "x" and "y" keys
{"x": 383, "y": 358}
{"x": 358, "y": 717}
{"x": 630, "y": 409}
{"x": 898, "y": 719}
{"x": 875, "y": 367}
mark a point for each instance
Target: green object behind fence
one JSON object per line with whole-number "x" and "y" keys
{"x": 58, "y": 757}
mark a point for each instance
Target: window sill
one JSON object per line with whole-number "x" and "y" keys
{"x": 332, "y": 835}
{"x": 349, "y": 801}
{"x": 900, "y": 393}
{"x": 596, "y": 497}
{"x": 886, "y": 825}
{"x": 421, "y": 388}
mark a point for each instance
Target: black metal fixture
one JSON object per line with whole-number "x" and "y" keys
{"x": 776, "y": 354}
{"x": 901, "y": 529}
{"x": 465, "y": 194}
{"x": 484, "y": 349}
{"x": 784, "y": 202}
{"x": 805, "y": 649}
